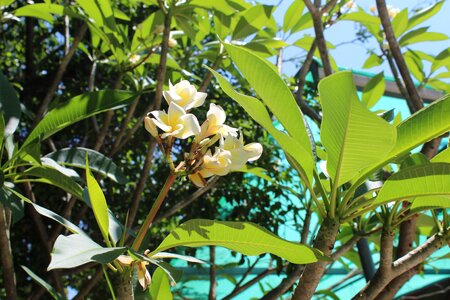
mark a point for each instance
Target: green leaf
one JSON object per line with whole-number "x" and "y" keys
{"x": 400, "y": 22}
{"x": 273, "y": 91}
{"x": 258, "y": 112}
{"x": 77, "y": 109}
{"x": 423, "y": 180}
{"x": 49, "y": 175}
{"x": 44, "y": 11}
{"x": 76, "y": 157}
{"x": 304, "y": 22}
{"x": 430, "y": 202}
{"x": 443, "y": 156}
{"x": 372, "y": 61}
{"x": 415, "y": 66}
{"x": 425, "y": 14}
{"x": 260, "y": 172}
{"x": 14, "y": 203}
{"x": 75, "y": 250}
{"x": 50, "y": 214}
{"x": 372, "y": 23}
{"x": 160, "y": 287}
{"x": 442, "y": 59}
{"x": 354, "y": 138}
{"x": 51, "y": 290}
{"x": 416, "y": 36}
{"x": 426, "y": 124}
{"x": 374, "y": 90}
{"x": 292, "y": 13}
{"x": 115, "y": 227}
{"x": 306, "y": 41}
{"x": 252, "y": 20}
{"x": 244, "y": 237}
{"x": 98, "y": 203}
{"x": 9, "y": 105}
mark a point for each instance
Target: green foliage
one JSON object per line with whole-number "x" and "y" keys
{"x": 160, "y": 288}
{"x": 422, "y": 180}
{"x": 246, "y": 238}
{"x": 98, "y": 203}
{"x": 354, "y": 138}
{"x": 76, "y": 250}
{"x": 79, "y": 108}
{"x": 9, "y": 107}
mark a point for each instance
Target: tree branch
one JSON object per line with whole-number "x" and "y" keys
{"x": 59, "y": 74}
{"x": 397, "y": 54}
{"x": 9, "y": 277}
{"x": 160, "y": 78}
{"x": 212, "y": 273}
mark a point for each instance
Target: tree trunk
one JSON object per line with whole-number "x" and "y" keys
{"x": 124, "y": 286}
{"x": 325, "y": 241}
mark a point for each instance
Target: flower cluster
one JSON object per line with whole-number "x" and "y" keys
{"x": 217, "y": 148}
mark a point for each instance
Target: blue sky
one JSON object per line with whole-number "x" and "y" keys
{"x": 354, "y": 55}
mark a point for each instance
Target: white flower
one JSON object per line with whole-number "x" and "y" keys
{"x": 217, "y": 164}
{"x": 240, "y": 153}
{"x": 172, "y": 42}
{"x": 232, "y": 155}
{"x": 392, "y": 11}
{"x": 134, "y": 58}
{"x": 184, "y": 94}
{"x": 214, "y": 124}
{"x": 176, "y": 122}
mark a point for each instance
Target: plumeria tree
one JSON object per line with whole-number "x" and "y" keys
{"x": 123, "y": 127}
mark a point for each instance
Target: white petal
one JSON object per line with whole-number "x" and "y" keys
{"x": 174, "y": 113}
{"x": 199, "y": 99}
{"x": 216, "y": 115}
{"x": 253, "y": 150}
{"x": 150, "y": 126}
{"x": 161, "y": 120}
{"x": 190, "y": 124}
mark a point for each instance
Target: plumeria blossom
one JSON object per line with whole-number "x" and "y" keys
{"x": 144, "y": 277}
{"x": 184, "y": 94}
{"x": 392, "y": 11}
{"x": 231, "y": 155}
{"x": 176, "y": 122}
{"x": 214, "y": 124}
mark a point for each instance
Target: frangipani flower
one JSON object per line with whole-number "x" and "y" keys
{"x": 214, "y": 124}
{"x": 144, "y": 277}
{"x": 176, "y": 122}
{"x": 184, "y": 94}
{"x": 232, "y": 155}
{"x": 240, "y": 153}
{"x": 392, "y": 11}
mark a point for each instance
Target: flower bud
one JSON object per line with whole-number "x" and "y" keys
{"x": 172, "y": 42}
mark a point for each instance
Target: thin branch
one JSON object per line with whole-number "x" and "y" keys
{"x": 59, "y": 74}
{"x": 249, "y": 283}
{"x": 209, "y": 76}
{"x": 107, "y": 118}
{"x": 306, "y": 109}
{"x": 394, "y": 47}
{"x": 9, "y": 277}
{"x": 316, "y": 15}
{"x": 329, "y": 6}
{"x": 347, "y": 246}
{"x": 212, "y": 273}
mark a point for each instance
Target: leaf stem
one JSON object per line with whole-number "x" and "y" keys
{"x": 151, "y": 215}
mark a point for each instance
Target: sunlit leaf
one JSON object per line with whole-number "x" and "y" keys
{"x": 246, "y": 238}
{"x": 354, "y": 137}
{"x": 160, "y": 287}
{"x": 423, "y": 180}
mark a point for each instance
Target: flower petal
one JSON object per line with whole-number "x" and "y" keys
{"x": 174, "y": 114}
{"x": 253, "y": 150}
{"x": 150, "y": 126}
{"x": 215, "y": 115}
{"x": 190, "y": 126}
{"x": 197, "y": 180}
